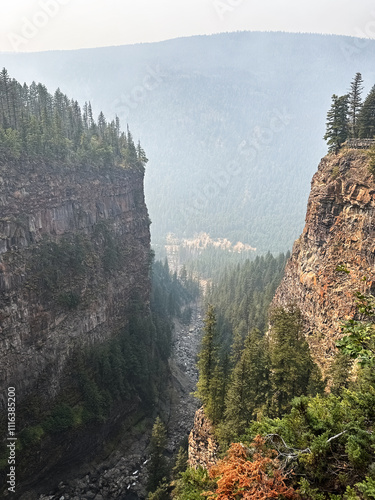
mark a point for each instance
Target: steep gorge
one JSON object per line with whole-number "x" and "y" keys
{"x": 339, "y": 230}
{"x": 74, "y": 265}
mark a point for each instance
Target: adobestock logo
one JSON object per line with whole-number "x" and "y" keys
{"x": 31, "y": 26}
{"x": 153, "y": 78}
{"x": 223, "y": 7}
{"x": 365, "y": 34}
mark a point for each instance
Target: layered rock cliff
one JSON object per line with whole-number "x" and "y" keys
{"x": 339, "y": 230}
{"x": 74, "y": 251}
{"x": 203, "y": 447}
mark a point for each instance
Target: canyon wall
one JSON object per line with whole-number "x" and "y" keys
{"x": 339, "y": 231}
{"x": 74, "y": 253}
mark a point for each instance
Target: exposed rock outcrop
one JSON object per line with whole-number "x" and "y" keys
{"x": 339, "y": 230}
{"x": 203, "y": 448}
{"x": 46, "y": 313}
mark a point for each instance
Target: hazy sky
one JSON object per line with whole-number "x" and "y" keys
{"x": 34, "y": 25}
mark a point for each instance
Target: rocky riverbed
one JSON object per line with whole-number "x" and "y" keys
{"x": 184, "y": 379}
{"x": 123, "y": 475}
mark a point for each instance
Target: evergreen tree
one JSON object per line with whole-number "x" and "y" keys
{"x": 36, "y": 124}
{"x": 183, "y": 274}
{"x": 208, "y": 356}
{"x": 157, "y": 469}
{"x": 131, "y": 149}
{"x": 355, "y": 103}
{"x": 181, "y": 462}
{"x": 215, "y": 402}
{"x": 102, "y": 124}
{"x": 249, "y": 384}
{"x": 366, "y": 117}
{"x": 239, "y": 333}
{"x": 213, "y": 372}
{"x": 293, "y": 372}
{"x": 337, "y": 123}
{"x": 141, "y": 155}
{"x": 5, "y": 85}
{"x": 339, "y": 372}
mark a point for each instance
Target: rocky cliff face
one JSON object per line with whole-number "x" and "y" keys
{"x": 340, "y": 229}
{"x": 203, "y": 448}
{"x": 74, "y": 250}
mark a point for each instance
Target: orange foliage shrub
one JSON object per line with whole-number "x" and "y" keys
{"x": 260, "y": 479}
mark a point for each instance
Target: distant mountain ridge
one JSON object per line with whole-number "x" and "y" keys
{"x": 232, "y": 123}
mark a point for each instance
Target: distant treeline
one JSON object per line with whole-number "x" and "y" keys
{"x": 37, "y": 124}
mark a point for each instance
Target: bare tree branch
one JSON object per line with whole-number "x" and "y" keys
{"x": 293, "y": 453}
{"x": 334, "y": 437}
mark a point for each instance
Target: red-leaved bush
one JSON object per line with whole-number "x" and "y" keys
{"x": 258, "y": 478}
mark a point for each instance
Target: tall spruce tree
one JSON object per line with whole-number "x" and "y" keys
{"x": 293, "y": 371}
{"x": 366, "y": 117}
{"x": 157, "y": 469}
{"x": 211, "y": 382}
{"x": 208, "y": 355}
{"x": 215, "y": 402}
{"x": 355, "y": 104}
{"x": 337, "y": 123}
{"x": 249, "y": 385}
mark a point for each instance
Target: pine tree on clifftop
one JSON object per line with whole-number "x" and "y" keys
{"x": 337, "y": 123}
{"x": 355, "y": 104}
{"x": 366, "y": 118}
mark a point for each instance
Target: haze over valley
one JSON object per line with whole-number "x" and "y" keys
{"x": 232, "y": 124}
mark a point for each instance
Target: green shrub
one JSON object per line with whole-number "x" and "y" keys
{"x": 31, "y": 435}
{"x": 61, "y": 419}
{"x": 335, "y": 172}
{"x": 191, "y": 485}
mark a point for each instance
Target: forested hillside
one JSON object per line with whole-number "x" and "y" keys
{"x": 36, "y": 125}
{"x": 233, "y": 123}
{"x": 243, "y": 372}
{"x": 281, "y": 435}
